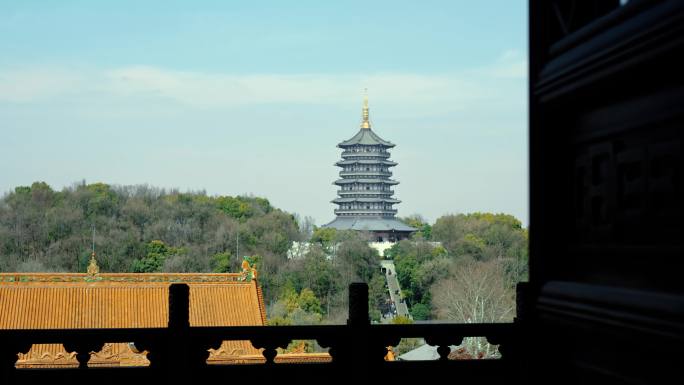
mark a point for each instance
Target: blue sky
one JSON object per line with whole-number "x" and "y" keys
{"x": 252, "y": 97}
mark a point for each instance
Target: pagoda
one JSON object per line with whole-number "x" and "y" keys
{"x": 365, "y": 196}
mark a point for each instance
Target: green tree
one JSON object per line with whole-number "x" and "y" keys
{"x": 139, "y": 213}
{"x": 377, "y": 293}
{"x": 319, "y": 273}
{"x": 98, "y": 199}
{"x": 294, "y": 308}
{"x": 157, "y": 252}
{"x": 357, "y": 259}
{"x": 325, "y": 236}
{"x": 222, "y": 262}
{"x": 407, "y": 269}
{"x": 418, "y": 222}
{"x": 401, "y": 320}
{"x": 420, "y": 312}
{"x": 308, "y": 302}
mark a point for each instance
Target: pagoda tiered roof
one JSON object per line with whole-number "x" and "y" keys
{"x": 366, "y": 137}
{"x": 370, "y": 224}
{"x": 368, "y": 208}
{"x": 366, "y": 200}
{"x": 364, "y": 180}
{"x": 347, "y": 162}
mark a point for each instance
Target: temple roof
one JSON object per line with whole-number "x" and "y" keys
{"x": 75, "y": 301}
{"x": 369, "y": 224}
{"x": 130, "y": 300}
{"x": 365, "y": 136}
{"x": 56, "y": 301}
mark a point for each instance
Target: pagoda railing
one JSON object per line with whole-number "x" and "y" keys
{"x": 351, "y": 154}
{"x": 362, "y": 192}
{"x": 178, "y": 353}
{"x": 361, "y": 211}
{"x": 361, "y": 173}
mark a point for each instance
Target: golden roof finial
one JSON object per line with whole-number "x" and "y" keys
{"x": 93, "y": 268}
{"x": 365, "y": 123}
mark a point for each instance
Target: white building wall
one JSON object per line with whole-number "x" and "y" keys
{"x": 381, "y": 246}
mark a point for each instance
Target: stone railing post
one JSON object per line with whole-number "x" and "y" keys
{"x": 8, "y": 357}
{"x": 358, "y": 305}
{"x": 178, "y": 343}
{"x": 356, "y": 349}
{"x": 179, "y": 306}
{"x": 522, "y": 338}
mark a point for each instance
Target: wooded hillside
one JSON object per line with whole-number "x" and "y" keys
{"x": 147, "y": 229}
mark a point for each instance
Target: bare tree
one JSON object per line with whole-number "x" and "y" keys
{"x": 306, "y": 227}
{"x": 475, "y": 292}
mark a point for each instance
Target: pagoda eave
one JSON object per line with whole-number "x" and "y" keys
{"x": 367, "y": 181}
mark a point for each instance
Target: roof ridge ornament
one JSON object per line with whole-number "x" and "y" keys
{"x": 93, "y": 268}
{"x": 365, "y": 123}
{"x": 249, "y": 272}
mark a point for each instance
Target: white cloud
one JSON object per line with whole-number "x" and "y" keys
{"x": 477, "y": 114}
{"x": 221, "y": 90}
{"x": 433, "y": 92}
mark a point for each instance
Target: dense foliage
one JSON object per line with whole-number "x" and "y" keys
{"x": 492, "y": 247}
{"x": 140, "y": 229}
{"x": 327, "y": 269}
{"x": 463, "y": 267}
{"x": 145, "y": 229}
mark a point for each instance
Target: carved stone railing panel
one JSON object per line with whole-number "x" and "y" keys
{"x": 180, "y": 352}
{"x": 83, "y": 348}
{"x": 270, "y": 346}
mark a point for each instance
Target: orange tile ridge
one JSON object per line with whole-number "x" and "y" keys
{"x": 122, "y": 277}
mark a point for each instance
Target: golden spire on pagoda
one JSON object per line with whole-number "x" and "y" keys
{"x": 365, "y": 123}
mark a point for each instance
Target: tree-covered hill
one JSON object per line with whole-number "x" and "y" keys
{"x": 137, "y": 228}
{"x": 147, "y": 229}
{"x": 447, "y": 269}
{"x": 463, "y": 268}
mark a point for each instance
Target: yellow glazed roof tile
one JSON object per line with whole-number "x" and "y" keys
{"x": 127, "y": 301}
{"x": 123, "y": 300}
